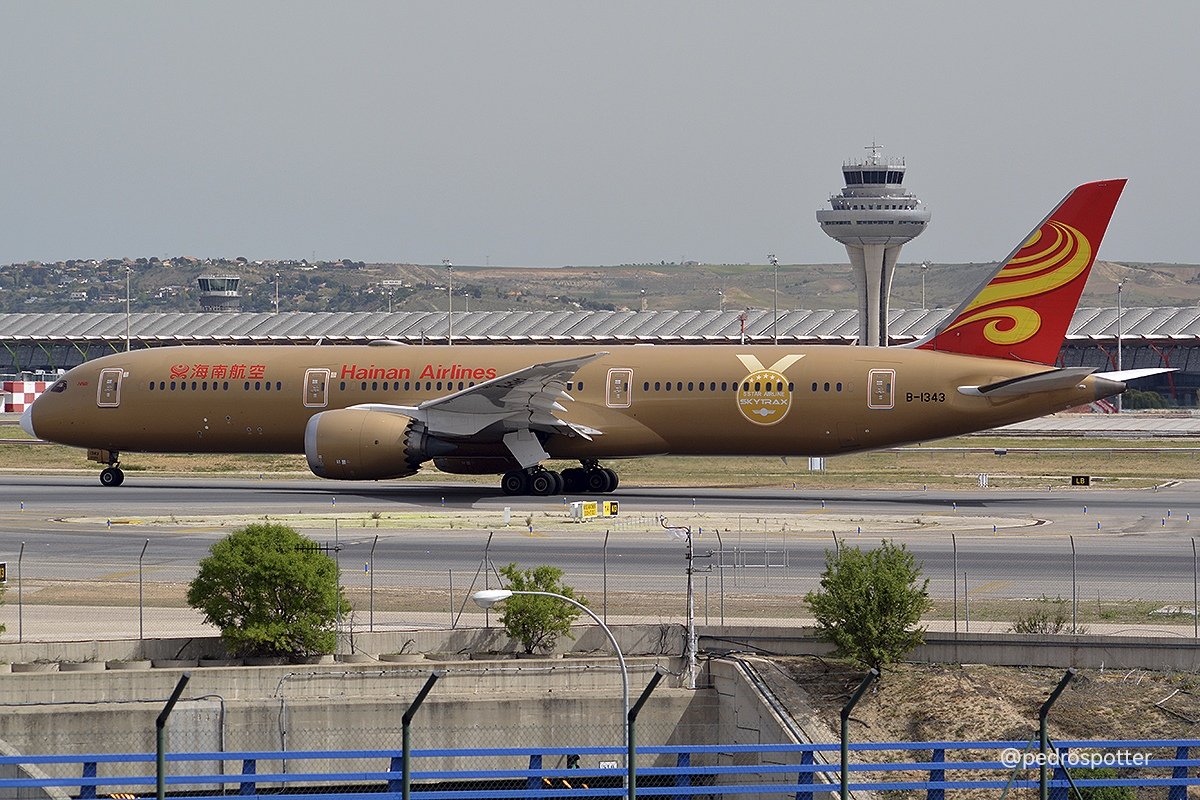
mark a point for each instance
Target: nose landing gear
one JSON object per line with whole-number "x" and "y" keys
{"x": 112, "y": 476}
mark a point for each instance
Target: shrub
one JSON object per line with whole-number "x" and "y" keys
{"x": 1045, "y": 615}
{"x": 869, "y": 603}
{"x": 534, "y": 621}
{"x": 270, "y": 591}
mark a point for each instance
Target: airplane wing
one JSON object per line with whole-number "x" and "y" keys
{"x": 527, "y": 399}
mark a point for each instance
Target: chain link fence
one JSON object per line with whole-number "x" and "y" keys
{"x": 745, "y": 569}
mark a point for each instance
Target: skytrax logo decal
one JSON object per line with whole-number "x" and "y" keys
{"x": 763, "y": 397}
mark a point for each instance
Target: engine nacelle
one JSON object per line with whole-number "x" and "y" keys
{"x": 354, "y": 444}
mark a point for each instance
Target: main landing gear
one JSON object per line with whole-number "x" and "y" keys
{"x": 591, "y": 478}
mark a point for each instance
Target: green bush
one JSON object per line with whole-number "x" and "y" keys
{"x": 271, "y": 592}
{"x": 869, "y": 603}
{"x": 535, "y": 621}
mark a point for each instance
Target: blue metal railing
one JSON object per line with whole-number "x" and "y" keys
{"x": 685, "y": 772}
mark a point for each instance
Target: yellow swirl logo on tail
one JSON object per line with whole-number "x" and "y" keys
{"x": 1052, "y": 258}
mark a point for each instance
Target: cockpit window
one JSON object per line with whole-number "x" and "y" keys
{"x": 59, "y": 386}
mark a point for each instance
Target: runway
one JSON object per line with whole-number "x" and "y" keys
{"x": 761, "y": 549}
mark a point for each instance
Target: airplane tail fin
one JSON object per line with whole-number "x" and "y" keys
{"x": 1021, "y": 313}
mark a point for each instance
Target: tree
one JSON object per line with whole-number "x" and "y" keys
{"x": 270, "y": 591}
{"x": 869, "y": 603}
{"x": 534, "y": 621}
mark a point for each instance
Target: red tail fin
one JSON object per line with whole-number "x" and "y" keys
{"x": 1022, "y": 313}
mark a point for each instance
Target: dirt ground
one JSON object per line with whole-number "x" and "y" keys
{"x": 974, "y": 702}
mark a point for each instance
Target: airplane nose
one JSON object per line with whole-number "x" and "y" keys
{"x": 27, "y": 422}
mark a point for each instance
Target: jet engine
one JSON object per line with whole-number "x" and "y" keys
{"x": 360, "y": 445}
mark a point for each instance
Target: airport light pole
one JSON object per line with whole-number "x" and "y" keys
{"x": 1120, "y": 285}
{"x": 924, "y": 269}
{"x": 127, "y": 271}
{"x": 277, "y": 292}
{"x": 775, "y": 299}
{"x": 486, "y": 598}
{"x": 450, "y": 294}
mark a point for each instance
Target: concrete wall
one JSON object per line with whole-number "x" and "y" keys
{"x": 1002, "y": 649}
{"x": 633, "y": 639}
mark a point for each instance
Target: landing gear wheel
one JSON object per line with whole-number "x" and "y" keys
{"x": 543, "y": 482}
{"x": 559, "y": 482}
{"x": 112, "y": 476}
{"x": 613, "y": 480}
{"x": 598, "y": 481}
{"x": 516, "y": 482}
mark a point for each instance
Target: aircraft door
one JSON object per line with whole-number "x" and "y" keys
{"x": 881, "y": 388}
{"x": 108, "y": 389}
{"x": 316, "y": 388}
{"x": 618, "y": 392}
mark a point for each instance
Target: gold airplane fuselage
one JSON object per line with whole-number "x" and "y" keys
{"x": 719, "y": 400}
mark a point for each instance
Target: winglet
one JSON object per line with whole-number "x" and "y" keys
{"x": 1023, "y": 310}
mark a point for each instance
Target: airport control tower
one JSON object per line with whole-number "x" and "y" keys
{"x": 873, "y": 217}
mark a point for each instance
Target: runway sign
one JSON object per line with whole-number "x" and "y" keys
{"x": 1081, "y": 480}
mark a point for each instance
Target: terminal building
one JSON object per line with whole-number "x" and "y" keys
{"x": 32, "y": 343}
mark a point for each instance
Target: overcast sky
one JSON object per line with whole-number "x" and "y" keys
{"x": 554, "y": 133}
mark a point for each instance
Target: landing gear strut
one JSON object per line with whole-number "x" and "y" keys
{"x": 591, "y": 479}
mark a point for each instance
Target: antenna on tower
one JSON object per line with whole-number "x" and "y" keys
{"x": 874, "y": 148}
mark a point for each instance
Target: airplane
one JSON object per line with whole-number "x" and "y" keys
{"x": 381, "y": 411}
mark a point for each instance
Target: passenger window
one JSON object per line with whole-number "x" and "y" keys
{"x": 814, "y": 386}
{"x": 839, "y": 387}
{"x": 374, "y": 386}
{"x": 581, "y": 386}
{"x": 691, "y": 386}
{"x": 364, "y": 386}
{"x": 225, "y": 386}
{"x": 724, "y": 386}
{"x": 701, "y": 387}
{"x": 668, "y": 386}
{"x": 258, "y": 386}
{"x": 657, "y": 386}
{"x": 827, "y": 386}
{"x": 152, "y": 386}
{"x": 342, "y": 387}
{"x": 407, "y": 385}
{"x": 161, "y": 385}
{"x": 246, "y": 386}
{"x": 193, "y": 386}
{"x": 646, "y": 386}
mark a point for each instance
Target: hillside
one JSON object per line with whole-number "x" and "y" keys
{"x": 170, "y": 285}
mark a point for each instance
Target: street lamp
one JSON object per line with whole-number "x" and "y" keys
{"x": 1120, "y": 285}
{"x": 486, "y": 598}
{"x": 450, "y": 293}
{"x": 775, "y": 299}
{"x": 276, "y": 292}
{"x": 924, "y": 268}
{"x": 721, "y": 299}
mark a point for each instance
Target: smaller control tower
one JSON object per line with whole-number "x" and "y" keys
{"x": 874, "y": 217}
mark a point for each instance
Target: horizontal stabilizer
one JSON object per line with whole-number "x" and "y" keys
{"x": 1127, "y": 375}
{"x": 1050, "y": 381}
